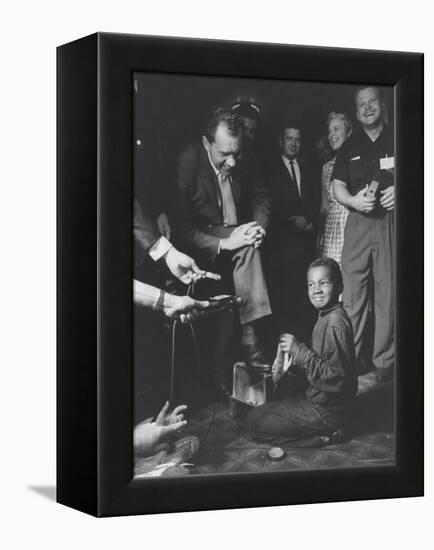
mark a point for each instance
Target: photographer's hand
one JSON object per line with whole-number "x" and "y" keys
{"x": 149, "y": 437}
{"x": 185, "y": 268}
{"x": 184, "y": 308}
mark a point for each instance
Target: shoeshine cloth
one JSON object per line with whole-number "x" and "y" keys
{"x": 281, "y": 364}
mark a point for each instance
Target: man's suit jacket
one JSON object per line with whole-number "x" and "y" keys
{"x": 285, "y": 238}
{"x": 200, "y": 203}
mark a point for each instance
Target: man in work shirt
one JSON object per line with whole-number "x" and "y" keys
{"x": 364, "y": 183}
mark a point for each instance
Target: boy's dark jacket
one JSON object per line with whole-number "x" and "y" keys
{"x": 330, "y": 365}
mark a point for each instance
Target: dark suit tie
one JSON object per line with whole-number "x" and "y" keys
{"x": 294, "y": 177}
{"x": 228, "y": 204}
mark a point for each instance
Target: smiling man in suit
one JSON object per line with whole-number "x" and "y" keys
{"x": 292, "y": 241}
{"x": 224, "y": 209}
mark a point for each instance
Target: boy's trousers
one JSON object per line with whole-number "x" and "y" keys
{"x": 368, "y": 271}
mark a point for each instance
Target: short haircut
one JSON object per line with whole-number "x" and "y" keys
{"x": 364, "y": 87}
{"x": 332, "y": 266}
{"x": 222, "y": 115}
{"x": 290, "y": 123}
{"x": 341, "y": 116}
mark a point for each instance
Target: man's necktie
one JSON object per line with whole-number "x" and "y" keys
{"x": 294, "y": 177}
{"x": 228, "y": 204}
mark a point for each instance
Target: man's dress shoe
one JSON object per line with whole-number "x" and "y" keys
{"x": 256, "y": 360}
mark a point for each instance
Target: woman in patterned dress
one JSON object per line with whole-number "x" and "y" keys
{"x": 335, "y": 215}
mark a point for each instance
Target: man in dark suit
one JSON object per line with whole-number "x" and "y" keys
{"x": 224, "y": 210}
{"x": 292, "y": 241}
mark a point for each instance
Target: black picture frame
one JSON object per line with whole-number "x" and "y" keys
{"x": 95, "y": 186}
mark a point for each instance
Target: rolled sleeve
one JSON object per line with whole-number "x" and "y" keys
{"x": 160, "y": 248}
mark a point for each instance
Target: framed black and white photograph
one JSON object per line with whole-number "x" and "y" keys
{"x": 247, "y": 217}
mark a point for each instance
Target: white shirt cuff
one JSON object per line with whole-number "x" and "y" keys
{"x": 159, "y": 248}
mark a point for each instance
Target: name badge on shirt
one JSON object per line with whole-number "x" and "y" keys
{"x": 387, "y": 163}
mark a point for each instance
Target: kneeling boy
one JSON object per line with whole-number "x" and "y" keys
{"x": 329, "y": 366}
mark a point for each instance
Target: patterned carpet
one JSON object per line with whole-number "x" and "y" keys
{"x": 226, "y": 446}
